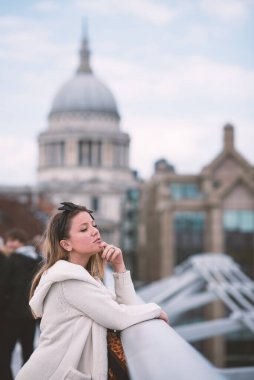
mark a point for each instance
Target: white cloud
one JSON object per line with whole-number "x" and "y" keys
{"x": 25, "y": 40}
{"x": 149, "y": 10}
{"x": 199, "y": 33}
{"x": 177, "y": 140}
{"x": 46, "y": 6}
{"x": 178, "y": 79}
{"x": 226, "y": 9}
{"x": 188, "y": 144}
{"x": 11, "y": 22}
{"x": 20, "y": 160}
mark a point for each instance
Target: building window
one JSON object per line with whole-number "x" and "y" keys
{"x": 130, "y": 215}
{"x": 189, "y": 234}
{"x": 185, "y": 191}
{"x": 95, "y": 203}
{"x": 96, "y": 153}
{"x": 85, "y": 153}
{"x": 133, "y": 195}
{"x": 90, "y": 153}
{"x": 216, "y": 184}
{"x": 238, "y": 220}
{"x": 239, "y": 237}
{"x": 54, "y": 154}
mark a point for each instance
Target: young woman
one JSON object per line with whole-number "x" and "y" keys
{"x": 75, "y": 308}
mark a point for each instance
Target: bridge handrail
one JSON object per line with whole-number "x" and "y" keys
{"x": 155, "y": 351}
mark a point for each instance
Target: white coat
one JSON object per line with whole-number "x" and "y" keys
{"x": 76, "y": 311}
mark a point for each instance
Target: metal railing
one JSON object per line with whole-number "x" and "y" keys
{"x": 244, "y": 373}
{"x": 154, "y": 350}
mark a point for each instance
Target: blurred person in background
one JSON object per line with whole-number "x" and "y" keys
{"x": 3, "y": 300}
{"x": 3, "y": 256}
{"x": 3, "y": 261}
{"x": 38, "y": 242}
{"x": 4, "y": 250}
{"x": 18, "y": 324}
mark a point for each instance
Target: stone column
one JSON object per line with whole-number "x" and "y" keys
{"x": 41, "y": 155}
{"x": 214, "y": 348}
{"x": 107, "y": 154}
{"x": 71, "y": 158}
{"x": 121, "y": 155}
{"x": 216, "y": 230}
{"x": 167, "y": 242}
{"x": 126, "y": 155}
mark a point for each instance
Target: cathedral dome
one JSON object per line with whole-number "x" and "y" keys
{"x": 84, "y": 92}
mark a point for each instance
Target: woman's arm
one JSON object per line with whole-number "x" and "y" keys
{"x": 97, "y": 303}
{"x": 124, "y": 289}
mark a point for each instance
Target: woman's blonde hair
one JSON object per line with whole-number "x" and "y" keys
{"x": 57, "y": 229}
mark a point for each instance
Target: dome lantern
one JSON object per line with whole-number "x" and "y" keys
{"x": 84, "y": 66}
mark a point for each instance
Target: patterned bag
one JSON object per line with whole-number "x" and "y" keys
{"x": 117, "y": 367}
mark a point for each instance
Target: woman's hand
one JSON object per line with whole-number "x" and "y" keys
{"x": 164, "y": 316}
{"x": 114, "y": 256}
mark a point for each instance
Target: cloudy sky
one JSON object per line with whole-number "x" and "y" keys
{"x": 180, "y": 70}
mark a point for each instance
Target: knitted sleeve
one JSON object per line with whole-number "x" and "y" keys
{"x": 96, "y": 302}
{"x": 124, "y": 289}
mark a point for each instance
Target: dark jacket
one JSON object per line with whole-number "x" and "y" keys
{"x": 21, "y": 268}
{"x": 3, "y": 296}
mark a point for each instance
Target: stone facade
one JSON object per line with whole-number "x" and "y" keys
{"x": 185, "y": 214}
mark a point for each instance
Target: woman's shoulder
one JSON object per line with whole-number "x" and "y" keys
{"x": 63, "y": 270}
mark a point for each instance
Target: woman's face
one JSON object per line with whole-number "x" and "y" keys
{"x": 84, "y": 237}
